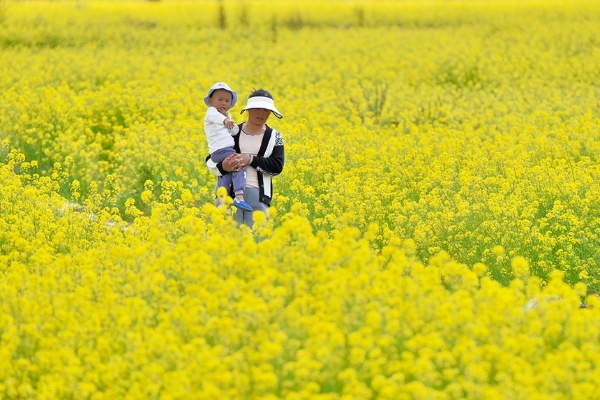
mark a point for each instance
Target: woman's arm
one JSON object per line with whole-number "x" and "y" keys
{"x": 233, "y": 162}
{"x": 214, "y": 168}
{"x": 272, "y": 165}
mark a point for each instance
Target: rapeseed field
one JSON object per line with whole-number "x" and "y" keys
{"x": 433, "y": 235}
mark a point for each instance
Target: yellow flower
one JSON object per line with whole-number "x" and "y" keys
{"x": 498, "y": 250}
{"x": 146, "y": 196}
{"x": 520, "y": 267}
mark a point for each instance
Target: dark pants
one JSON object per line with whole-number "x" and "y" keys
{"x": 251, "y": 196}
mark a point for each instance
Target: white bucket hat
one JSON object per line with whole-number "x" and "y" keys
{"x": 262, "y": 102}
{"x": 224, "y": 86}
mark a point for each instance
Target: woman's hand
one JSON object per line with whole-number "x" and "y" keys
{"x": 235, "y": 162}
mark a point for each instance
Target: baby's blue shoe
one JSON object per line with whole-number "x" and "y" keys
{"x": 242, "y": 204}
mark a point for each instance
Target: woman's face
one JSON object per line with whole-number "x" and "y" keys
{"x": 258, "y": 116}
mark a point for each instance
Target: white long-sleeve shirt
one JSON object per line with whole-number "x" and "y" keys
{"x": 217, "y": 134}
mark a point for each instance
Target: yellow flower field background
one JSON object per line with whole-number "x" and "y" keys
{"x": 434, "y": 233}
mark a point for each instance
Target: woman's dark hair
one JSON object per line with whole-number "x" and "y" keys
{"x": 261, "y": 93}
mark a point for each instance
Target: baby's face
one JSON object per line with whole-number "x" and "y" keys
{"x": 221, "y": 100}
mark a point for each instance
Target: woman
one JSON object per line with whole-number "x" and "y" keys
{"x": 260, "y": 150}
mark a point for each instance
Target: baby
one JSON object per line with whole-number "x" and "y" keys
{"x": 219, "y": 129}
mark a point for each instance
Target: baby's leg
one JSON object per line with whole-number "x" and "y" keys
{"x": 239, "y": 182}
{"x": 221, "y": 154}
{"x": 225, "y": 181}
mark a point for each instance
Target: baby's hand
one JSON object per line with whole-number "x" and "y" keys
{"x": 229, "y": 124}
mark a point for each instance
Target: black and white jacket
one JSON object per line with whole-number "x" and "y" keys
{"x": 268, "y": 162}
